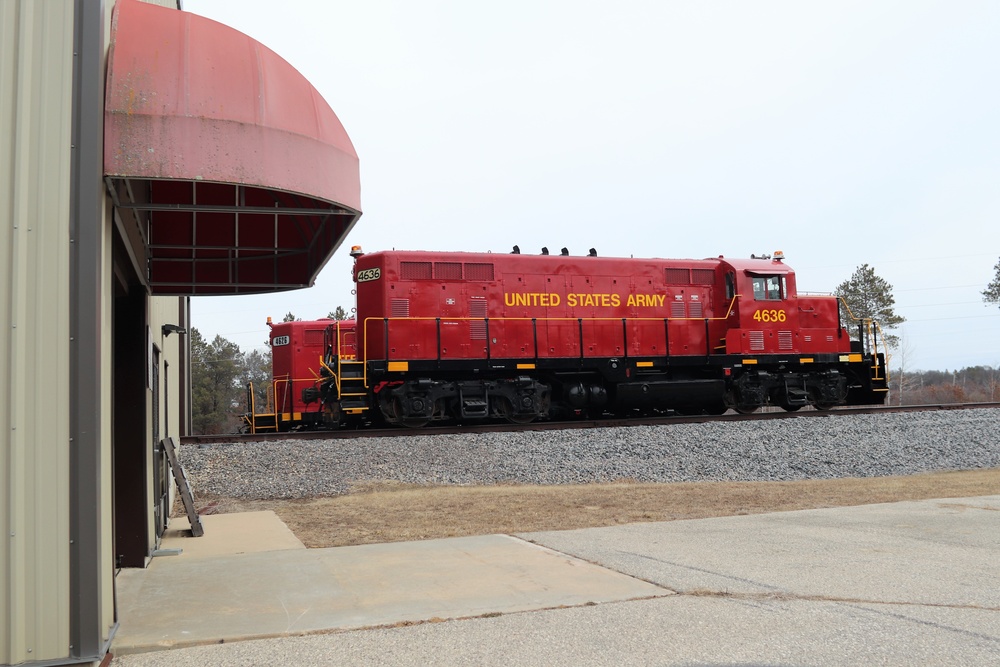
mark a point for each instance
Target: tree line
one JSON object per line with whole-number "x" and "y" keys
{"x": 976, "y": 384}
{"x": 220, "y": 375}
{"x": 221, "y": 372}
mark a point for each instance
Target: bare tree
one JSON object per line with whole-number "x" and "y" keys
{"x": 901, "y": 379}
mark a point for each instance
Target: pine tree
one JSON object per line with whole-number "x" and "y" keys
{"x": 255, "y": 367}
{"x": 289, "y": 317}
{"x": 869, "y": 297}
{"x": 339, "y": 314}
{"x": 216, "y": 390}
{"x": 992, "y": 292}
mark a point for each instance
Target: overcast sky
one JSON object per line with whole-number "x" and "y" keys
{"x": 841, "y": 133}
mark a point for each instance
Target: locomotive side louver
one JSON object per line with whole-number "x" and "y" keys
{"x": 478, "y": 271}
{"x": 399, "y": 308}
{"x": 415, "y": 270}
{"x": 477, "y": 309}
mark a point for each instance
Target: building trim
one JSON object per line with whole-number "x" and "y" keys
{"x": 88, "y": 571}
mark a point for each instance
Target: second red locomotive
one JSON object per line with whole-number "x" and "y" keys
{"x": 468, "y": 336}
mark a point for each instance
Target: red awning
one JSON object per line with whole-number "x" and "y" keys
{"x": 241, "y": 177}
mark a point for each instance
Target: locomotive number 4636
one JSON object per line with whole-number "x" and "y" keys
{"x": 369, "y": 274}
{"x": 765, "y": 315}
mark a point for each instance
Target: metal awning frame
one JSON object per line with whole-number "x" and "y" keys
{"x": 330, "y": 221}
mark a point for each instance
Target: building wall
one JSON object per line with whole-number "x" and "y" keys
{"x": 62, "y": 277}
{"x": 167, "y": 310}
{"x": 36, "y": 84}
{"x": 168, "y": 409}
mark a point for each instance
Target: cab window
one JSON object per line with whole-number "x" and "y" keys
{"x": 767, "y": 288}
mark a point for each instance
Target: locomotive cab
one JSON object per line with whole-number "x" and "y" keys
{"x": 300, "y": 362}
{"x": 791, "y": 350}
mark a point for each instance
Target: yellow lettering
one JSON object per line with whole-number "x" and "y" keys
{"x": 582, "y": 300}
{"x": 641, "y": 300}
{"x": 542, "y": 299}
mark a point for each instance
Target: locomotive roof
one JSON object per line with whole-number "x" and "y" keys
{"x": 762, "y": 266}
{"x": 759, "y": 266}
{"x": 430, "y": 255}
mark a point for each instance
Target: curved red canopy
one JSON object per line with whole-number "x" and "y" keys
{"x": 240, "y": 176}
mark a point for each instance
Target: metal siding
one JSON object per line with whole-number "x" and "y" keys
{"x": 36, "y": 69}
{"x": 164, "y": 310}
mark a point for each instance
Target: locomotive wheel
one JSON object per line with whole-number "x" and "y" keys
{"x": 823, "y": 406}
{"x": 393, "y": 408}
{"x": 791, "y": 408}
{"x": 506, "y": 410}
{"x": 748, "y": 410}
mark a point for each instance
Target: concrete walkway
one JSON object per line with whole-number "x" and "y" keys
{"x": 897, "y": 584}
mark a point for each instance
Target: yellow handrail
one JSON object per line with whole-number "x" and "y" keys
{"x": 729, "y": 311}
{"x": 871, "y": 326}
{"x": 873, "y": 332}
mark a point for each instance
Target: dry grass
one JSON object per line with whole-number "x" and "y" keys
{"x": 392, "y": 512}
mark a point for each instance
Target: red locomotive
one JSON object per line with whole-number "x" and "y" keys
{"x": 299, "y": 352}
{"x": 465, "y": 336}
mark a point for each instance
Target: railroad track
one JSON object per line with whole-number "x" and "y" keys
{"x": 767, "y": 414}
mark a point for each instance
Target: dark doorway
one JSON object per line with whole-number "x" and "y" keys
{"x": 129, "y": 435}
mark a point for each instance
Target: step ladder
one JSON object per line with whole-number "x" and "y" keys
{"x": 265, "y": 421}
{"x": 183, "y": 485}
{"x": 476, "y": 405}
{"x": 352, "y": 388}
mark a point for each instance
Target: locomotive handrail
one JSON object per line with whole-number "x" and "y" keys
{"x": 284, "y": 394}
{"x": 333, "y": 374}
{"x": 384, "y": 321}
{"x": 534, "y": 327}
{"x": 252, "y": 408}
{"x": 871, "y": 327}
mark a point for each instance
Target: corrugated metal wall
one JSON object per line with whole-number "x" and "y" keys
{"x": 36, "y": 80}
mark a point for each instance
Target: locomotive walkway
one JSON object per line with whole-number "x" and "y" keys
{"x": 897, "y": 584}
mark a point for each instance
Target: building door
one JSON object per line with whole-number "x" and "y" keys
{"x": 130, "y": 437}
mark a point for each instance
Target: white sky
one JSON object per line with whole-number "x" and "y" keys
{"x": 841, "y": 133}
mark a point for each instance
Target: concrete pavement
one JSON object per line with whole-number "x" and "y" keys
{"x": 896, "y": 584}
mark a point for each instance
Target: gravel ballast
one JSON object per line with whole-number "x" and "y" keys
{"x": 772, "y": 450}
